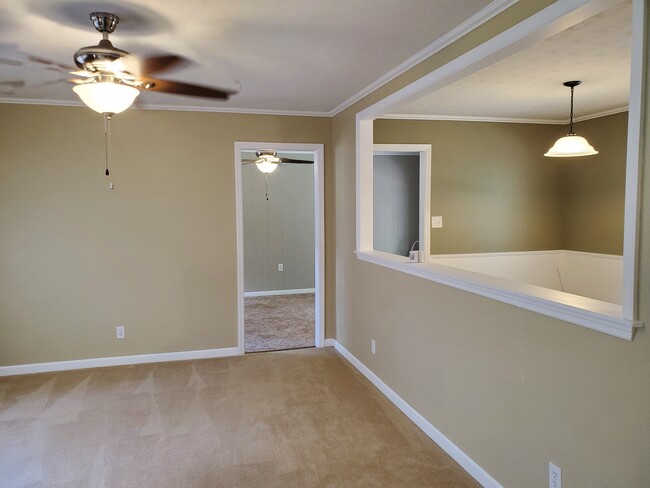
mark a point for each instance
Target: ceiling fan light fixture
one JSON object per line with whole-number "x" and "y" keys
{"x": 107, "y": 96}
{"x": 571, "y": 145}
{"x": 267, "y": 166}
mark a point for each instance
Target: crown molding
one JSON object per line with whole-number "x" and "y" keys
{"x": 510, "y": 120}
{"x": 175, "y": 108}
{"x": 479, "y": 18}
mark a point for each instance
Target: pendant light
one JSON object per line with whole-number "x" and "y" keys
{"x": 571, "y": 145}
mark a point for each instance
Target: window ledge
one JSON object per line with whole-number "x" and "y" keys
{"x": 586, "y": 312}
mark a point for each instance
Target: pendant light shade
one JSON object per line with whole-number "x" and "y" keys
{"x": 571, "y": 145}
{"x": 106, "y": 96}
{"x": 267, "y": 166}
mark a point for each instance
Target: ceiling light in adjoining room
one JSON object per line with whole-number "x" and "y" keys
{"x": 107, "y": 96}
{"x": 267, "y": 166}
{"x": 571, "y": 145}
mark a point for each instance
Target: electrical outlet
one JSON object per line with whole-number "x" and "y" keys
{"x": 373, "y": 349}
{"x": 280, "y": 267}
{"x": 119, "y": 332}
{"x": 436, "y": 222}
{"x": 554, "y": 476}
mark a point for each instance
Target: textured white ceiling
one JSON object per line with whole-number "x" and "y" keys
{"x": 289, "y": 55}
{"x": 528, "y": 85}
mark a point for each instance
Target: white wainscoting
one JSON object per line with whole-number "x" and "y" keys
{"x": 597, "y": 276}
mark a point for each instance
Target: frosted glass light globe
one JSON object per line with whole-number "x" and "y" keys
{"x": 106, "y": 96}
{"x": 266, "y": 166}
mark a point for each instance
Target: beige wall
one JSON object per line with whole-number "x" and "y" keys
{"x": 157, "y": 254}
{"x": 501, "y": 194}
{"x": 512, "y": 388}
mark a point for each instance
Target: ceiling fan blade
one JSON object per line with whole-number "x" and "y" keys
{"x": 82, "y": 73}
{"x": 139, "y": 67}
{"x": 52, "y": 64}
{"x": 250, "y": 161}
{"x": 178, "y": 88}
{"x": 157, "y": 64}
{"x": 12, "y": 84}
{"x": 295, "y": 161}
{"x": 10, "y": 62}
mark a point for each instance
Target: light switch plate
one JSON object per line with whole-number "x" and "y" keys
{"x": 436, "y": 222}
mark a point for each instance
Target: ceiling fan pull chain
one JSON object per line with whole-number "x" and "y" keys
{"x": 266, "y": 182}
{"x": 107, "y": 138}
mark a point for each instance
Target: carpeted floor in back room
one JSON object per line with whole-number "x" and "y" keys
{"x": 279, "y": 322}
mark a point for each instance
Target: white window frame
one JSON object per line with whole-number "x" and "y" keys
{"x": 424, "y": 178}
{"x": 593, "y": 314}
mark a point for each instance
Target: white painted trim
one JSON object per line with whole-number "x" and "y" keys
{"x": 635, "y": 151}
{"x": 319, "y": 231}
{"x": 270, "y": 293}
{"x": 589, "y": 313}
{"x": 466, "y": 462}
{"x": 173, "y": 108}
{"x": 549, "y": 21}
{"x": 117, "y": 361}
{"x": 507, "y": 120}
{"x": 424, "y": 152}
{"x": 529, "y": 253}
{"x": 330, "y": 342}
{"x": 482, "y": 16}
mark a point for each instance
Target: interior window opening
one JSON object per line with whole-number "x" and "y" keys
{"x": 557, "y": 229}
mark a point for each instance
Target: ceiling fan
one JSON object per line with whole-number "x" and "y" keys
{"x": 109, "y": 79}
{"x": 268, "y": 160}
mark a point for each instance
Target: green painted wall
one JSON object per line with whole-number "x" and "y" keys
{"x": 594, "y": 188}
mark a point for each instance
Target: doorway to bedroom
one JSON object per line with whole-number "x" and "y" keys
{"x": 279, "y": 237}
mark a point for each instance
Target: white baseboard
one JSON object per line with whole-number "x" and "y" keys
{"x": 330, "y": 343}
{"x": 117, "y": 361}
{"x": 268, "y": 293}
{"x": 468, "y": 464}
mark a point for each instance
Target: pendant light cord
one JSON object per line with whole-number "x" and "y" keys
{"x": 571, "y": 114}
{"x": 107, "y": 139}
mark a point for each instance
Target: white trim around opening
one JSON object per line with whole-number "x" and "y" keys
{"x": 319, "y": 231}
{"x": 570, "y": 308}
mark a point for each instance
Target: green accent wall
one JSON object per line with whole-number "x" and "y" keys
{"x": 593, "y": 193}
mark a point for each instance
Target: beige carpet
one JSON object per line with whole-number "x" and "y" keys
{"x": 300, "y": 418}
{"x": 279, "y": 322}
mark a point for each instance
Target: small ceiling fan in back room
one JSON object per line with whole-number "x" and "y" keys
{"x": 267, "y": 162}
{"x": 108, "y": 79}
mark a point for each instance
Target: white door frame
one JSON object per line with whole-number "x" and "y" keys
{"x": 319, "y": 231}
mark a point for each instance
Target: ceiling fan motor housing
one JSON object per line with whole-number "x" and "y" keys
{"x": 104, "y": 22}
{"x": 97, "y": 58}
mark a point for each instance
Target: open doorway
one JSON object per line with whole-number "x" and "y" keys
{"x": 279, "y": 246}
